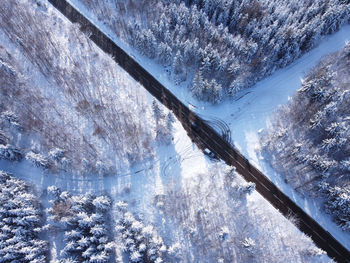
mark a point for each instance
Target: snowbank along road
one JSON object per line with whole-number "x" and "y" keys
{"x": 207, "y": 137}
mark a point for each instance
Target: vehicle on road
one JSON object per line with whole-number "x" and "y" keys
{"x": 209, "y": 153}
{"x": 195, "y": 127}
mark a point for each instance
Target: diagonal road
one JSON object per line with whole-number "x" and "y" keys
{"x": 207, "y": 137}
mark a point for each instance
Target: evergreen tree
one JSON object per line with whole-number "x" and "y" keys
{"x": 178, "y": 68}
{"x": 157, "y": 111}
{"x": 197, "y": 85}
{"x": 85, "y": 224}
{"x": 10, "y": 153}
{"x": 164, "y": 54}
{"x": 20, "y": 220}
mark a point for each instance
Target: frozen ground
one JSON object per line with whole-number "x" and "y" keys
{"x": 181, "y": 164}
{"x": 249, "y": 113}
{"x": 138, "y": 186}
{"x": 182, "y": 167}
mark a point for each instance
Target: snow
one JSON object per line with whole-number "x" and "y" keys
{"x": 180, "y": 163}
{"x": 180, "y": 160}
{"x": 249, "y": 113}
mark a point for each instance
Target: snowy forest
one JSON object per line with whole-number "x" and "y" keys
{"x": 219, "y": 47}
{"x": 93, "y": 169}
{"x": 56, "y": 85}
{"x": 308, "y": 140}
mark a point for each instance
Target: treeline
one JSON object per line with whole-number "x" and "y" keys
{"x": 223, "y": 46}
{"x": 309, "y": 139}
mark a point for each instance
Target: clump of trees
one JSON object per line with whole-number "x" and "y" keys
{"x": 141, "y": 242}
{"x": 222, "y": 46}
{"x": 20, "y": 223}
{"x": 84, "y": 220}
{"x": 309, "y": 139}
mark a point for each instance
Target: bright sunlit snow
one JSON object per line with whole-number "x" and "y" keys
{"x": 248, "y": 114}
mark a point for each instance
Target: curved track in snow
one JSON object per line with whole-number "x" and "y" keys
{"x": 208, "y": 137}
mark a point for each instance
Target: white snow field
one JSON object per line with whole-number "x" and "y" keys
{"x": 203, "y": 208}
{"x": 250, "y": 111}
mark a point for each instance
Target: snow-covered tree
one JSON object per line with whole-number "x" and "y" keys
{"x": 3, "y": 138}
{"x": 102, "y": 203}
{"x": 38, "y": 160}
{"x": 11, "y": 153}
{"x": 20, "y": 223}
{"x": 312, "y": 132}
{"x": 56, "y": 154}
{"x": 164, "y": 53}
{"x": 84, "y": 221}
{"x": 178, "y": 68}
{"x": 157, "y": 111}
{"x": 210, "y": 36}
{"x": 142, "y": 242}
{"x": 10, "y": 117}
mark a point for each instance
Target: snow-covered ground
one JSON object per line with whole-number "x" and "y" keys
{"x": 178, "y": 168}
{"x": 250, "y": 111}
{"x": 181, "y": 166}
